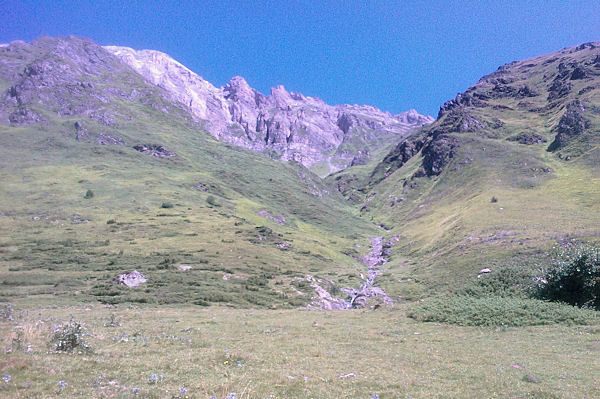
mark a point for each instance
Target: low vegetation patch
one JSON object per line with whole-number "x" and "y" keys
{"x": 508, "y": 281}
{"x": 211, "y": 200}
{"x": 499, "y": 311}
{"x": 89, "y": 194}
{"x": 70, "y": 337}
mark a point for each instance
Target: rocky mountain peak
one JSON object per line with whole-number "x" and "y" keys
{"x": 238, "y": 84}
{"x": 287, "y": 125}
{"x": 281, "y": 97}
{"x": 74, "y": 76}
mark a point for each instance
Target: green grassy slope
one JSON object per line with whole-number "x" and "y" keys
{"x": 434, "y": 191}
{"x": 54, "y": 242}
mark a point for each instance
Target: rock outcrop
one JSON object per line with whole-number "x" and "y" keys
{"x": 571, "y": 124}
{"x": 559, "y": 89}
{"x": 287, "y": 125}
{"x": 132, "y": 279}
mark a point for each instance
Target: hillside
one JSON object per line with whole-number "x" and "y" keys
{"x": 510, "y": 168}
{"x": 102, "y": 173}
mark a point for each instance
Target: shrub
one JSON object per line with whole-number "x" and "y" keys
{"x": 113, "y": 321}
{"x": 6, "y": 312}
{"x": 506, "y": 281}
{"x": 211, "y": 200}
{"x": 111, "y": 221}
{"x": 499, "y": 311}
{"x": 89, "y": 194}
{"x": 494, "y": 200}
{"x": 166, "y": 264}
{"x": 574, "y": 276}
{"x": 70, "y": 337}
{"x": 166, "y": 205}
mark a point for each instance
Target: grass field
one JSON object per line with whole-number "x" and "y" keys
{"x": 293, "y": 354}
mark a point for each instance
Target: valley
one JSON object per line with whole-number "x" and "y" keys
{"x": 292, "y": 248}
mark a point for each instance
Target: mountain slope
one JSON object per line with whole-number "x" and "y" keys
{"x": 287, "y": 126}
{"x": 510, "y": 167}
{"x": 102, "y": 173}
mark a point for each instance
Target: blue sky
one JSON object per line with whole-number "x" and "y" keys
{"x": 391, "y": 54}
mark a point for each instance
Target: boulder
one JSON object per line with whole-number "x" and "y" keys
{"x": 132, "y": 279}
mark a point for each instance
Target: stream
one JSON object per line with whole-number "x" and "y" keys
{"x": 356, "y": 297}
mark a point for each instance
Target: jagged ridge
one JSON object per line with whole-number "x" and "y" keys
{"x": 287, "y": 125}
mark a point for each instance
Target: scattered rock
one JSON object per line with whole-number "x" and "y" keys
{"x": 542, "y": 170}
{"x": 586, "y": 90}
{"x": 527, "y": 138}
{"x": 483, "y": 271}
{"x": 78, "y": 219}
{"x": 105, "y": 139}
{"x": 24, "y": 116}
{"x": 105, "y": 118}
{"x": 526, "y": 91}
{"x": 184, "y": 267}
{"x": 202, "y": 187}
{"x": 265, "y": 214}
{"x": 132, "y": 279}
{"x": 530, "y": 378}
{"x": 359, "y": 298}
{"x": 323, "y": 300}
{"x": 154, "y": 150}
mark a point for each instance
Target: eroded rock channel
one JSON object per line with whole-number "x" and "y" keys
{"x": 367, "y": 294}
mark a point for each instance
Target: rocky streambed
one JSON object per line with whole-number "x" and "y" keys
{"x": 355, "y": 297}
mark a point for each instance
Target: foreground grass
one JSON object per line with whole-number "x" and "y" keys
{"x": 294, "y": 354}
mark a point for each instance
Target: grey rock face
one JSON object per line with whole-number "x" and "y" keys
{"x": 287, "y": 125}
{"x": 571, "y": 124}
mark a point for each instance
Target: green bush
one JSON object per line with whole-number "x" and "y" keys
{"x": 7, "y": 311}
{"x": 508, "y": 281}
{"x": 166, "y": 205}
{"x": 211, "y": 200}
{"x": 498, "y": 311}
{"x": 89, "y": 194}
{"x": 70, "y": 337}
{"x": 574, "y": 276}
